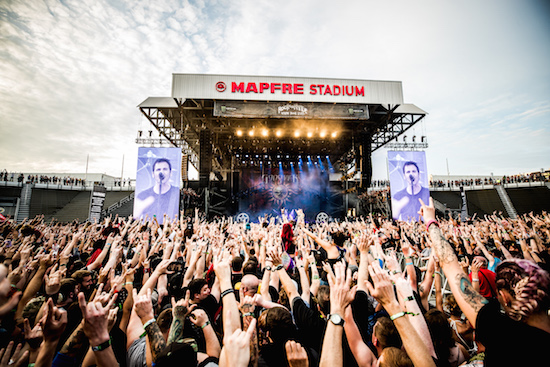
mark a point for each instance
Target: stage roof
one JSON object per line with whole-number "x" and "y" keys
{"x": 267, "y": 117}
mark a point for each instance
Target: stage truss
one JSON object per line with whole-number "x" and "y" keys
{"x": 180, "y": 123}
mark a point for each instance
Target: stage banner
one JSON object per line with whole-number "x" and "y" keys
{"x": 157, "y": 183}
{"x": 408, "y": 183}
{"x": 339, "y": 111}
{"x": 97, "y": 199}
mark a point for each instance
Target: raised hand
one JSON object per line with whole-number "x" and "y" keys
{"x": 182, "y": 308}
{"x": 96, "y": 319}
{"x": 33, "y": 336}
{"x": 236, "y": 350}
{"x": 53, "y": 322}
{"x": 199, "y": 317}
{"x": 15, "y": 360}
{"x": 143, "y": 306}
{"x": 53, "y": 280}
{"x": 382, "y": 287}
{"x": 341, "y": 293}
{"x": 296, "y": 354}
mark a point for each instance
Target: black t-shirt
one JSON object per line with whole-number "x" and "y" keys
{"x": 363, "y": 312}
{"x": 211, "y": 306}
{"x": 508, "y": 342}
{"x": 311, "y": 330}
{"x": 274, "y": 355}
{"x": 311, "y": 327}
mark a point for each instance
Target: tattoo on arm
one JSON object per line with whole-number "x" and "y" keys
{"x": 156, "y": 340}
{"x": 441, "y": 246}
{"x": 75, "y": 343}
{"x": 176, "y": 330}
{"x": 470, "y": 295}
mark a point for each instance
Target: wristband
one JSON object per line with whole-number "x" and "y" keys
{"x": 149, "y": 323}
{"x": 475, "y": 280}
{"x": 437, "y": 272}
{"x": 430, "y": 222}
{"x": 401, "y": 314}
{"x": 409, "y": 264}
{"x": 248, "y": 314}
{"x": 205, "y": 324}
{"x": 128, "y": 283}
{"x": 102, "y": 346}
{"x": 268, "y": 268}
{"x": 226, "y": 292}
{"x": 409, "y": 298}
{"x": 278, "y": 267}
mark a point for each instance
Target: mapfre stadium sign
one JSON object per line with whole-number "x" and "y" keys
{"x": 270, "y": 88}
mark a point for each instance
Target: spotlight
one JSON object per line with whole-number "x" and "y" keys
{"x": 251, "y": 133}
{"x": 297, "y": 134}
{"x": 278, "y": 133}
{"x": 309, "y": 134}
{"x": 334, "y": 134}
{"x": 239, "y": 133}
{"x": 265, "y": 132}
{"x": 323, "y": 134}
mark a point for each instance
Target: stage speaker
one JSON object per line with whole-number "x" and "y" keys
{"x": 184, "y": 166}
{"x": 235, "y": 183}
{"x": 365, "y": 161}
{"x": 205, "y": 157}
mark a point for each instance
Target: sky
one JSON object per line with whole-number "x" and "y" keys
{"x": 72, "y": 72}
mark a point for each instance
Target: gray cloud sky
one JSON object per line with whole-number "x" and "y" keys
{"x": 72, "y": 72}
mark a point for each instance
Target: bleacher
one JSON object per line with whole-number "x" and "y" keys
{"x": 484, "y": 202}
{"x": 529, "y": 199}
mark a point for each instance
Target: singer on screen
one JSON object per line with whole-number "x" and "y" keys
{"x": 405, "y": 203}
{"x": 162, "y": 198}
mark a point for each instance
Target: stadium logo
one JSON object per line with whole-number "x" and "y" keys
{"x": 220, "y": 86}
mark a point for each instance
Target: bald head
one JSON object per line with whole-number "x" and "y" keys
{"x": 249, "y": 284}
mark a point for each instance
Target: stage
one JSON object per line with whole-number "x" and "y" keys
{"x": 262, "y": 143}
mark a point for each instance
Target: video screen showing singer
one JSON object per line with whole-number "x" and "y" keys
{"x": 162, "y": 198}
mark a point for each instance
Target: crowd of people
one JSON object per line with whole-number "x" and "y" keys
{"x": 280, "y": 292}
{"x": 42, "y": 179}
{"x": 480, "y": 181}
